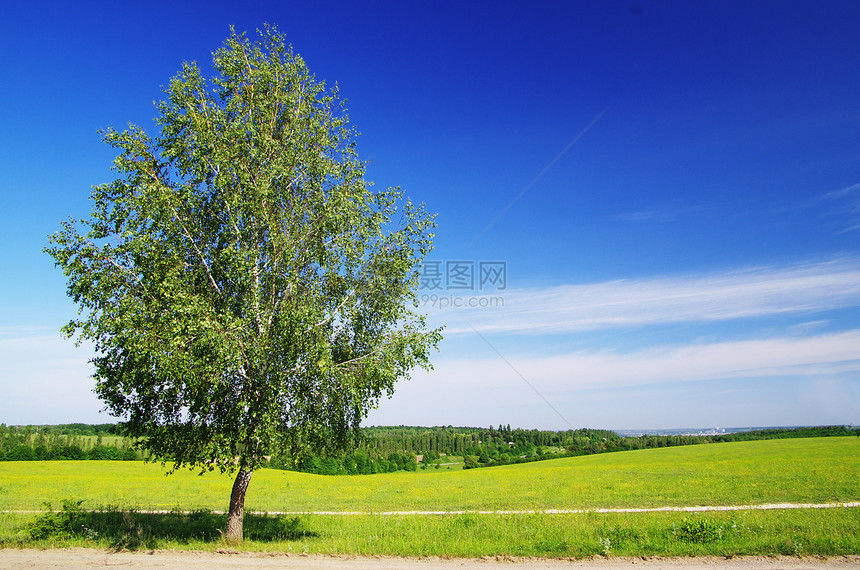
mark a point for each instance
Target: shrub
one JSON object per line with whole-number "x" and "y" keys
{"x": 698, "y": 530}
{"x": 40, "y": 453}
{"x": 103, "y": 452}
{"x": 68, "y": 452}
{"x": 53, "y": 524}
{"x": 21, "y": 453}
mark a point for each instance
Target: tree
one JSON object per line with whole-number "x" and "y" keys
{"x": 245, "y": 289}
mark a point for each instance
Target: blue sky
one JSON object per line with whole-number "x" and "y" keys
{"x": 673, "y": 189}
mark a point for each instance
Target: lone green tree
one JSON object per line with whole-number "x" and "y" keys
{"x": 243, "y": 286}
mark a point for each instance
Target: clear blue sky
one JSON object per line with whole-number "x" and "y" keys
{"x": 673, "y": 188}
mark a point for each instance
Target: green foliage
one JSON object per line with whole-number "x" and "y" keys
{"x": 122, "y": 529}
{"x": 69, "y": 452}
{"x": 431, "y": 455}
{"x": 103, "y": 452}
{"x": 57, "y": 524}
{"x": 697, "y": 529}
{"x": 245, "y": 289}
{"x": 49, "y": 443}
{"x": 787, "y": 433}
{"x": 487, "y": 447}
{"x": 21, "y": 453}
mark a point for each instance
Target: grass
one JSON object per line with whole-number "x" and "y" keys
{"x": 774, "y": 471}
{"x": 799, "y": 532}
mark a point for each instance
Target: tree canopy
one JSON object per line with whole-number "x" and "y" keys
{"x": 244, "y": 287}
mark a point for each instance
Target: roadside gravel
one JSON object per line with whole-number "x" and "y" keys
{"x": 222, "y": 560}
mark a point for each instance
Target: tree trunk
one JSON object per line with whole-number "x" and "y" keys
{"x": 237, "y": 506}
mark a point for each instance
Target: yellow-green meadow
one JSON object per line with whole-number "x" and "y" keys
{"x": 818, "y": 470}
{"x": 814, "y": 470}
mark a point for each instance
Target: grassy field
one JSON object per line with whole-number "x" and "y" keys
{"x": 771, "y": 471}
{"x": 804, "y": 470}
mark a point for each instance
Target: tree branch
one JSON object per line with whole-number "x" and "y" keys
{"x": 178, "y": 220}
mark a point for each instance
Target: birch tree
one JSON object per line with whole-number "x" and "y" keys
{"x": 245, "y": 288}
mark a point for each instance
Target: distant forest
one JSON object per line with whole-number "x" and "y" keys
{"x": 387, "y": 449}
{"x": 65, "y": 442}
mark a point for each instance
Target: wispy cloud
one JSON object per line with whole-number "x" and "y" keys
{"x": 848, "y": 201}
{"x": 661, "y": 214}
{"x": 27, "y": 331}
{"x": 45, "y": 378}
{"x": 667, "y": 212}
{"x": 813, "y": 357}
{"x": 753, "y": 292}
{"x": 841, "y": 207}
{"x": 852, "y": 191}
{"x": 768, "y": 381}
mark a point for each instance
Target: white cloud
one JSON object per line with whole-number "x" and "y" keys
{"x": 756, "y": 292}
{"x": 841, "y": 207}
{"x": 815, "y": 356}
{"x": 849, "y": 206}
{"x": 45, "y": 379}
{"x": 661, "y": 214}
{"x": 670, "y": 386}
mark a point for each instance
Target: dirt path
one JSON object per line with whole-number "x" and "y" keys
{"x": 88, "y": 558}
{"x": 694, "y": 509}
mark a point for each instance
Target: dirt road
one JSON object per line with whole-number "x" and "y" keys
{"x": 90, "y": 558}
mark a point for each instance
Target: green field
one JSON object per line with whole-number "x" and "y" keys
{"x": 771, "y": 471}
{"x": 816, "y": 470}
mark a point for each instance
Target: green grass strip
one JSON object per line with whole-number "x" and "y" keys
{"x": 800, "y": 532}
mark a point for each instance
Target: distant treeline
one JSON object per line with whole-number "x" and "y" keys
{"x": 485, "y": 447}
{"x": 65, "y": 442}
{"x": 387, "y": 449}
{"x": 785, "y": 433}
{"x": 359, "y": 462}
{"x": 481, "y": 447}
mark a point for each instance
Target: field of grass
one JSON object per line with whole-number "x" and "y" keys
{"x": 811, "y": 532}
{"x": 770, "y": 471}
{"x": 773, "y": 471}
